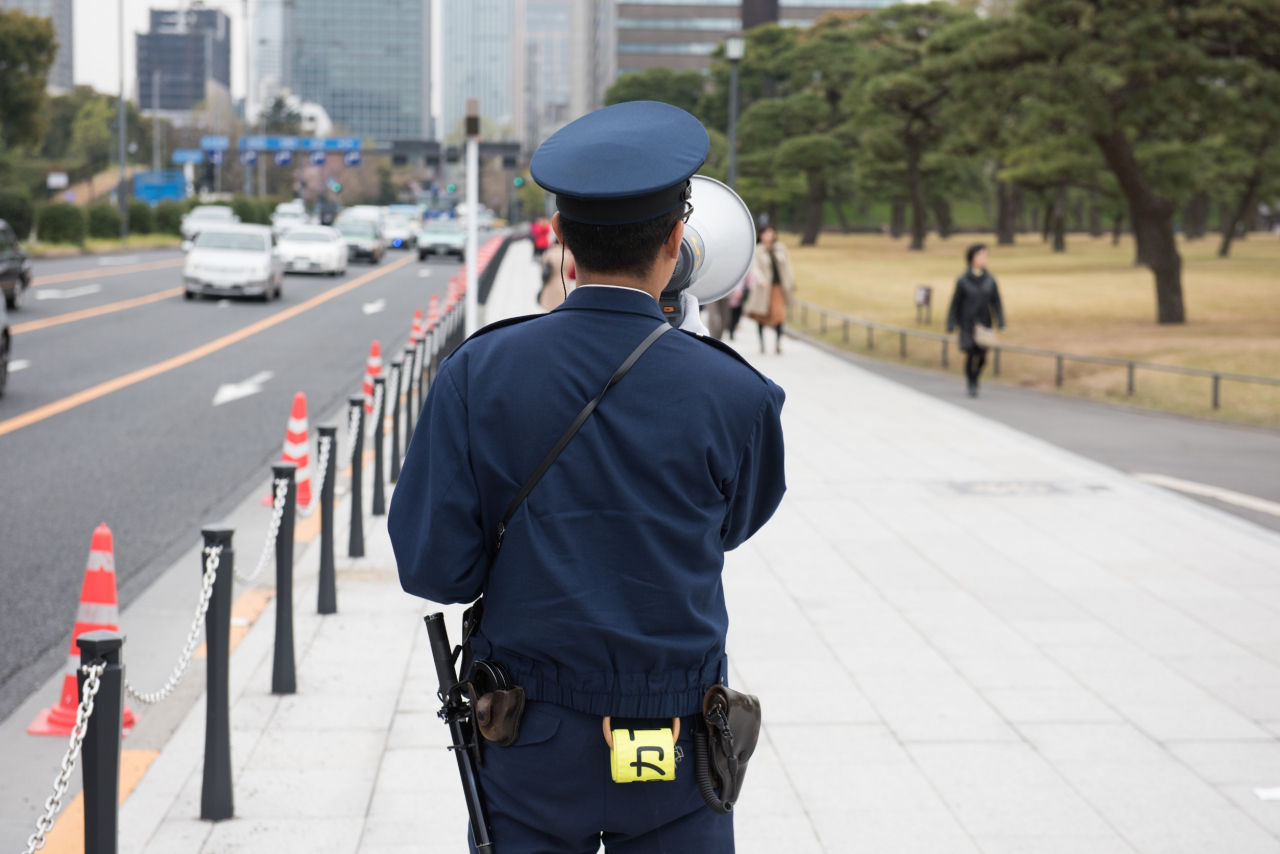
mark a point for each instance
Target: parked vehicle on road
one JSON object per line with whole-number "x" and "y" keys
{"x": 363, "y": 238}
{"x": 6, "y": 342}
{"x": 205, "y": 216}
{"x": 15, "y": 267}
{"x": 233, "y": 261}
{"x": 441, "y": 237}
{"x": 313, "y": 249}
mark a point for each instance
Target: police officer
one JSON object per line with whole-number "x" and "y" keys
{"x": 606, "y": 599}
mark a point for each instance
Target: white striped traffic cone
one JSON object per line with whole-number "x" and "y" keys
{"x": 297, "y": 443}
{"x": 415, "y": 331}
{"x": 372, "y": 370}
{"x": 433, "y": 312}
{"x": 98, "y": 610}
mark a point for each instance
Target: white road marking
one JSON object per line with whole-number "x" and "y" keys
{"x": 119, "y": 260}
{"x": 374, "y": 307}
{"x": 69, "y": 293}
{"x": 223, "y": 303}
{"x": 1268, "y": 794}
{"x": 422, "y": 274}
{"x": 234, "y": 391}
{"x": 1226, "y": 496}
{"x": 19, "y": 365}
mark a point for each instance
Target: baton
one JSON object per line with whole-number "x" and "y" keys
{"x": 457, "y": 714}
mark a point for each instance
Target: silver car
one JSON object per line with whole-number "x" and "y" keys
{"x": 234, "y": 261}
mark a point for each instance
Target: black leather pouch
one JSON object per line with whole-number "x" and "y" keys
{"x": 497, "y": 704}
{"x": 724, "y": 743}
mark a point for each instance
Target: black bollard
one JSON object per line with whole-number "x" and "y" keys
{"x": 101, "y": 750}
{"x": 397, "y": 371}
{"x": 410, "y": 362}
{"x": 355, "y": 542}
{"x": 216, "y": 801}
{"x": 379, "y": 423}
{"x": 284, "y": 679}
{"x": 327, "y": 598}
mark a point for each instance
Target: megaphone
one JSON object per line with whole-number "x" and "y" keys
{"x": 719, "y": 240}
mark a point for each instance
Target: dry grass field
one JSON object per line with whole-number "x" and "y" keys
{"x": 1090, "y": 300}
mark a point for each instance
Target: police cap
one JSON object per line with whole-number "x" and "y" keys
{"x": 622, "y": 164}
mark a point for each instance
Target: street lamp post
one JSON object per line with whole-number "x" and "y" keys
{"x": 122, "y": 194}
{"x": 735, "y": 47}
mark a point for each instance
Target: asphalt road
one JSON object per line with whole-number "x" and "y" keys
{"x": 1237, "y": 457}
{"x": 149, "y": 454}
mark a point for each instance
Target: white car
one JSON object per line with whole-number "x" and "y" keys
{"x": 399, "y": 231}
{"x": 204, "y": 216}
{"x": 313, "y": 249}
{"x": 233, "y": 261}
{"x": 288, "y": 215}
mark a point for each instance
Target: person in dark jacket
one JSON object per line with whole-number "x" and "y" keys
{"x": 974, "y": 304}
{"x": 606, "y": 598}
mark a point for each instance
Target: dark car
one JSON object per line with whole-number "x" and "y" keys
{"x": 15, "y": 267}
{"x": 6, "y": 341}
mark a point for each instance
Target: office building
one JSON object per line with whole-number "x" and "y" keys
{"x": 191, "y": 50}
{"x": 367, "y": 63}
{"x": 683, "y": 35}
{"x": 482, "y": 57}
{"x": 270, "y": 74}
{"x": 61, "y": 12}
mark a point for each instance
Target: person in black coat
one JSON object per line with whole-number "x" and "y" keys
{"x": 973, "y": 305}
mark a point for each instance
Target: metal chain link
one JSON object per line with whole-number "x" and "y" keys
{"x": 323, "y": 461}
{"x": 353, "y": 433}
{"x": 212, "y": 557}
{"x": 93, "y": 675}
{"x": 269, "y": 547}
{"x": 377, "y": 408}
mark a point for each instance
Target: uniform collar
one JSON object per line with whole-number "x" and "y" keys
{"x": 626, "y": 300}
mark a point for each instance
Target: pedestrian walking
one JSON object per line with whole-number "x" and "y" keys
{"x": 598, "y": 658}
{"x": 974, "y": 304}
{"x": 540, "y": 233}
{"x": 772, "y": 284}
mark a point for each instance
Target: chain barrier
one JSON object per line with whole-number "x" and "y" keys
{"x": 212, "y": 557}
{"x": 93, "y": 675}
{"x": 323, "y": 461}
{"x": 377, "y": 408}
{"x": 353, "y": 429}
{"x": 269, "y": 547}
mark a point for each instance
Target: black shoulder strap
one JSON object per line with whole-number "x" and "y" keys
{"x": 573, "y": 428}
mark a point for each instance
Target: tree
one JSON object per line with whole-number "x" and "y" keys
{"x": 902, "y": 103}
{"x": 27, "y": 50}
{"x": 681, "y": 89}
{"x": 91, "y": 135}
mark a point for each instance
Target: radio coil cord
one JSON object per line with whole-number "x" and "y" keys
{"x": 702, "y": 766}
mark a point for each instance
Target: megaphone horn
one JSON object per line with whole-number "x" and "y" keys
{"x": 719, "y": 240}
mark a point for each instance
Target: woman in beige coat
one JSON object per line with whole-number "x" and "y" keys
{"x": 772, "y": 284}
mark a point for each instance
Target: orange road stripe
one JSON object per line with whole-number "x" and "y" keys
{"x": 40, "y": 413}
{"x": 83, "y": 314}
{"x": 67, "y": 835}
{"x": 103, "y": 272}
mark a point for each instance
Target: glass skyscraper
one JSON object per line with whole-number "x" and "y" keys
{"x": 367, "y": 63}
{"x": 478, "y": 41}
{"x": 61, "y": 12}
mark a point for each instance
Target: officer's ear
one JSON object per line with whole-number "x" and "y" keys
{"x": 671, "y": 248}
{"x": 555, "y": 226}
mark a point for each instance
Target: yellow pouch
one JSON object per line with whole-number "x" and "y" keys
{"x": 641, "y": 755}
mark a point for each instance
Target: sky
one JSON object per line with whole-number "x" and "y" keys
{"x": 97, "y": 40}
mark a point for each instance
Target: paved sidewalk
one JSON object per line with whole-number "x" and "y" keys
{"x": 965, "y": 640}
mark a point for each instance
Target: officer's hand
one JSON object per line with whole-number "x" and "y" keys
{"x": 692, "y": 321}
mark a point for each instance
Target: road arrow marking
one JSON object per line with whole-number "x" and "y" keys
{"x": 69, "y": 293}
{"x": 374, "y": 307}
{"x": 119, "y": 260}
{"x": 223, "y": 303}
{"x": 19, "y": 365}
{"x": 234, "y": 391}
{"x": 422, "y": 274}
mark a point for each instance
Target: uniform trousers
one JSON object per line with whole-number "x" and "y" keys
{"x": 551, "y": 793}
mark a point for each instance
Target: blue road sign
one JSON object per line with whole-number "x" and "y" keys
{"x": 317, "y": 158}
{"x": 284, "y": 158}
{"x": 351, "y": 158}
{"x": 249, "y": 157}
{"x": 215, "y": 142}
{"x": 214, "y": 155}
{"x": 300, "y": 143}
{"x": 152, "y": 187}
{"x": 188, "y": 155}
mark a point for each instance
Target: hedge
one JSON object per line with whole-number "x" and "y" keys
{"x": 61, "y": 222}
{"x": 16, "y": 209}
{"x": 141, "y": 218}
{"x": 104, "y": 220}
{"x": 168, "y": 217}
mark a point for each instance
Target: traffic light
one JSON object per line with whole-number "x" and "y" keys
{"x": 451, "y": 188}
{"x": 518, "y": 181}
{"x": 334, "y": 186}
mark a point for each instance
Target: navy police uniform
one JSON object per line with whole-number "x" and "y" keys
{"x": 607, "y": 598}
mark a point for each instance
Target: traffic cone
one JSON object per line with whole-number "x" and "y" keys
{"x": 415, "y": 331}
{"x": 372, "y": 370}
{"x": 297, "y": 442}
{"x": 98, "y": 610}
{"x": 433, "y": 311}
